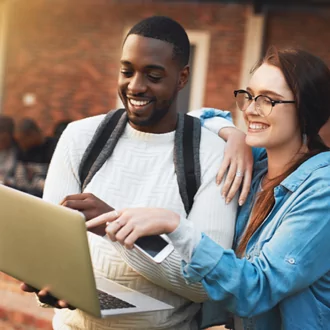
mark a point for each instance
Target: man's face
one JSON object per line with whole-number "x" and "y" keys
{"x": 149, "y": 81}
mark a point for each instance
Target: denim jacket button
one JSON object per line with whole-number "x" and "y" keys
{"x": 291, "y": 261}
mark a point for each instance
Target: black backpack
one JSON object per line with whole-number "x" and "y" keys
{"x": 186, "y": 152}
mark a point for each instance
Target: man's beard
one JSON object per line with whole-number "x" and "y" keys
{"x": 156, "y": 116}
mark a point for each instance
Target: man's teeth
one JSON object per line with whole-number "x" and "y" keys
{"x": 257, "y": 126}
{"x": 138, "y": 103}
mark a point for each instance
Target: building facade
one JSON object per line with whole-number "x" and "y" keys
{"x": 60, "y": 58}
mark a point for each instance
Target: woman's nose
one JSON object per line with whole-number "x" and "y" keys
{"x": 251, "y": 109}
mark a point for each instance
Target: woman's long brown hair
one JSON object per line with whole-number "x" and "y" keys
{"x": 308, "y": 77}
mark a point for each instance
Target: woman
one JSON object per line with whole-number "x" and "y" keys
{"x": 278, "y": 275}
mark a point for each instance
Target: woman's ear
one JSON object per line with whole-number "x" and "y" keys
{"x": 325, "y": 133}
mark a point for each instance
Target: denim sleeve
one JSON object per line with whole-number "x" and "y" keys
{"x": 291, "y": 260}
{"x": 212, "y": 119}
{"x": 208, "y": 113}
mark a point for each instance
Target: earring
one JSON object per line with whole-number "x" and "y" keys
{"x": 304, "y": 138}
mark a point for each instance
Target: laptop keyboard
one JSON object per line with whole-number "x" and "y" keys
{"x": 110, "y": 302}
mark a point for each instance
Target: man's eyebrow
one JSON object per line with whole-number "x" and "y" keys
{"x": 155, "y": 67}
{"x": 148, "y": 67}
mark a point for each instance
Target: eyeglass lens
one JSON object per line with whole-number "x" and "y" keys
{"x": 263, "y": 104}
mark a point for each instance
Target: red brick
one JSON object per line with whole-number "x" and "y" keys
{"x": 307, "y": 30}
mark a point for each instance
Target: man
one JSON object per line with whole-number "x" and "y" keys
{"x": 141, "y": 172}
{"x": 33, "y": 158}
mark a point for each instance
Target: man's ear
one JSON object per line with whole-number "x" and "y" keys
{"x": 184, "y": 77}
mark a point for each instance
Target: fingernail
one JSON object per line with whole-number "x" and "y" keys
{"x": 217, "y": 182}
{"x": 107, "y": 223}
{"x": 227, "y": 201}
{"x": 241, "y": 202}
{"x": 223, "y": 195}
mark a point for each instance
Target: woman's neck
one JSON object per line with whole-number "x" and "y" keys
{"x": 281, "y": 159}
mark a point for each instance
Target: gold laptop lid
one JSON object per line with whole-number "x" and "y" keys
{"x": 45, "y": 245}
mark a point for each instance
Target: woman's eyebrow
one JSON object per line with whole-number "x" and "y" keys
{"x": 267, "y": 91}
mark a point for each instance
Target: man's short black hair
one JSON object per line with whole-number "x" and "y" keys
{"x": 165, "y": 29}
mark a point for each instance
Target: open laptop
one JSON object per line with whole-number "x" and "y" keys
{"x": 46, "y": 246}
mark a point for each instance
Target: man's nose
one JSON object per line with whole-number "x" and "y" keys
{"x": 137, "y": 84}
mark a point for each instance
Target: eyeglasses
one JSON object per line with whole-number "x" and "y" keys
{"x": 264, "y": 104}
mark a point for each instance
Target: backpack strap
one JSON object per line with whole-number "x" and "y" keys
{"x": 186, "y": 158}
{"x": 102, "y": 145}
{"x": 186, "y": 152}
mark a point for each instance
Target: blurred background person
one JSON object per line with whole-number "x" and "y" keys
{"x": 33, "y": 158}
{"x": 8, "y": 147}
{"x": 60, "y": 127}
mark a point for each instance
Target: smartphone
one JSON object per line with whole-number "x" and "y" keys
{"x": 155, "y": 247}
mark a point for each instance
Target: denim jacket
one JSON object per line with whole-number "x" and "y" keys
{"x": 283, "y": 282}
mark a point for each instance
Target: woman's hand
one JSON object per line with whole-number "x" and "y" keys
{"x": 238, "y": 160}
{"x": 127, "y": 225}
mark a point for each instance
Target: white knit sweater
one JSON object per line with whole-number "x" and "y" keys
{"x": 141, "y": 172}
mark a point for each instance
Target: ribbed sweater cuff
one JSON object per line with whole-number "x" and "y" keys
{"x": 185, "y": 238}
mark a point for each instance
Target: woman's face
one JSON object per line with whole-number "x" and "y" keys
{"x": 279, "y": 129}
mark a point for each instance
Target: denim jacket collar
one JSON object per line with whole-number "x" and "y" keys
{"x": 295, "y": 179}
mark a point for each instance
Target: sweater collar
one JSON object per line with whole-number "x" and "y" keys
{"x": 132, "y": 133}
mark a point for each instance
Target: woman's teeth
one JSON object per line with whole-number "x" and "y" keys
{"x": 257, "y": 126}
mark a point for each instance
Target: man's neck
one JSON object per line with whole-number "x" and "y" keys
{"x": 165, "y": 125}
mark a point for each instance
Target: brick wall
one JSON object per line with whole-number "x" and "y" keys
{"x": 67, "y": 52}
{"x": 308, "y": 30}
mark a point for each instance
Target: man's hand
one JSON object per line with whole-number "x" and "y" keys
{"x": 238, "y": 160}
{"x": 90, "y": 206}
{"x": 46, "y": 298}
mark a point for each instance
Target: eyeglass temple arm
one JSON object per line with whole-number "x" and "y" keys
{"x": 275, "y": 102}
